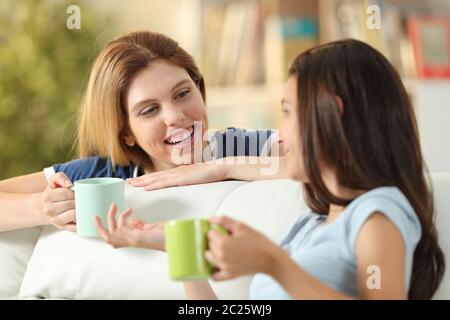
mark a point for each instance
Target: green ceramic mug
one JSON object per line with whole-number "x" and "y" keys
{"x": 94, "y": 196}
{"x": 186, "y": 244}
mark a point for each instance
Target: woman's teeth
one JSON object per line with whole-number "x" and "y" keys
{"x": 180, "y": 138}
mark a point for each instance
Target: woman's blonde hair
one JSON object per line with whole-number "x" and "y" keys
{"x": 103, "y": 118}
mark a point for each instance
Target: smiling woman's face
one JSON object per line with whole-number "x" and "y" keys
{"x": 163, "y": 102}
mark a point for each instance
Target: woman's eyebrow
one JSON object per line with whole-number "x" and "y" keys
{"x": 180, "y": 83}
{"x": 141, "y": 103}
{"x": 147, "y": 101}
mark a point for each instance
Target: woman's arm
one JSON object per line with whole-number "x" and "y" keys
{"x": 29, "y": 201}
{"x": 130, "y": 232}
{"x": 199, "y": 290}
{"x": 385, "y": 253}
{"x": 252, "y": 168}
{"x": 20, "y": 202}
{"x": 297, "y": 282}
{"x": 246, "y": 251}
{"x": 235, "y": 168}
{"x": 31, "y": 183}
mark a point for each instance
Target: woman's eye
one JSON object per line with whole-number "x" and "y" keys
{"x": 147, "y": 111}
{"x": 182, "y": 94}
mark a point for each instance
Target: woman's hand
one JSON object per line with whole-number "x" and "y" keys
{"x": 131, "y": 232}
{"x": 197, "y": 173}
{"x": 244, "y": 251}
{"x": 58, "y": 202}
{"x": 235, "y": 168}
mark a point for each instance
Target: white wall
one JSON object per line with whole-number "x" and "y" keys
{"x": 432, "y": 103}
{"x": 179, "y": 19}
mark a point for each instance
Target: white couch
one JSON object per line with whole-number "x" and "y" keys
{"x": 48, "y": 263}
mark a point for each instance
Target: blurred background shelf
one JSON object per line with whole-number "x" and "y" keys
{"x": 247, "y": 47}
{"x": 243, "y": 48}
{"x": 239, "y": 106}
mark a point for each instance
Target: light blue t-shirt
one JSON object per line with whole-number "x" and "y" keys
{"x": 327, "y": 250}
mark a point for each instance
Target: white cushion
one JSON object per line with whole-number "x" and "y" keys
{"x": 269, "y": 206}
{"x": 16, "y": 248}
{"x": 66, "y": 266}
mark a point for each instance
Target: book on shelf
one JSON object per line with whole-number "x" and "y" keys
{"x": 241, "y": 39}
{"x": 285, "y": 38}
{"x": 232, "y": 43}
{"x": 430, "y": 39}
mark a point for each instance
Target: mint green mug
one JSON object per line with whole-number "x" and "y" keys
{"x": 186, "y": 244}
{"x": 94, "y": 196}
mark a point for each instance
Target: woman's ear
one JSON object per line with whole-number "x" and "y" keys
{"x": 340, "y": 104}
{"x": 129, "y": 140}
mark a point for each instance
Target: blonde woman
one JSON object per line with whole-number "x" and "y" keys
{"x": 143, "y": 118}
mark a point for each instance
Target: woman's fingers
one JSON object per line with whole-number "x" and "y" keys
{"x": 72, "y": 227}
{"x": 216, "y": 249}
{"x": 153, "y": 178}
{"x": 64, "y": 218}
{"x": 216, "y": 242}
{"x": 220, "y": 275}
{"x": 148, "y": 178}
{"x": 60, "y": 194}
{"x": 101, "y": 229}
{"x": 56, "y": 208}
{"x": 160, "y": 184}
{"x": 148, "y": 182}
{"x": 209, "y": 256}
{"x": 60, "y": 180}
{"x": 112, "y": 218}
{"x": 123, "y": 217}
{"x": 228, "y": 223}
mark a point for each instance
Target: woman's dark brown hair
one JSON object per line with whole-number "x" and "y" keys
{"x": 374, "y": 142}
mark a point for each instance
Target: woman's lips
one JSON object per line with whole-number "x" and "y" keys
{"x": 180, "y": 138}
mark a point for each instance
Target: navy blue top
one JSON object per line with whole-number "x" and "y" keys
{"x": 232, "y": 142}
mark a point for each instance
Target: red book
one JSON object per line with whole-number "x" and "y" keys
{"x": 430, "y": 36}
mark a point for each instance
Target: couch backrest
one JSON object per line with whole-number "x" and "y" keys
{"x": 62, "y": 263}
{"x": 66, "y": 266}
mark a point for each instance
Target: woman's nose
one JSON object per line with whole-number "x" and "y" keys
{"x": 173, "y": 116}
